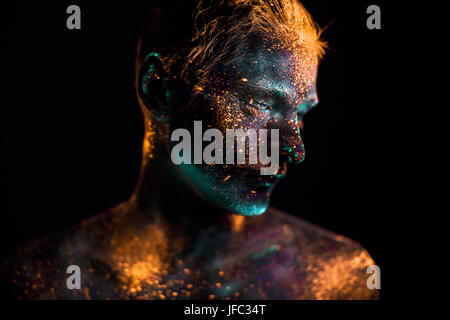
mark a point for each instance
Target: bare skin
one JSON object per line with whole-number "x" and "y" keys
{"x": 148, "y": 250}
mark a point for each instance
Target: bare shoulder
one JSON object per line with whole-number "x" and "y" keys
{"x": 35, "y": 270}
{"x": 38, "y": 269}
{"x": 311, "y": 234}
{"x": 328, "y": 265}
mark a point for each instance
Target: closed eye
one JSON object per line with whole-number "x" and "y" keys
{"x": 260, "y": 99}
{"x": 260, "y": 104}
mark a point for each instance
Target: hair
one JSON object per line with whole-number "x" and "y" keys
{"x": 198, "y": 35}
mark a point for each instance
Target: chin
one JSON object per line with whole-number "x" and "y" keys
{"x": 245, "y": 202}
{"x": 248, "y": 208}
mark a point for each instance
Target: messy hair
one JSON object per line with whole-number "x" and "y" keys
{"x": 224, "y": 38}
{"x": 221, "y": 31}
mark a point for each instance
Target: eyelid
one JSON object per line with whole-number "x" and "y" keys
{"x": 262, "y": 106}
{"x": 260, "y": 98}
{"x": 272, "y": 96}
{"x": 260, "y": 102}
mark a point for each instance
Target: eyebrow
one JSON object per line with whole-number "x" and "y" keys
{"x": 308, "y": 103}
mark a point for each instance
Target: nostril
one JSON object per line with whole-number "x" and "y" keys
{"x": 293, "y": 153}
{"x": 285, "y": 153}
{"x": 286, "y": 149}
{"x": 299, "y": 153}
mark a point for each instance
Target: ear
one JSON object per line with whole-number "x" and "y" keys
{"x": 159, "y": 92}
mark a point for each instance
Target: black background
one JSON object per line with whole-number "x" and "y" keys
{"x": 72, "y": 130}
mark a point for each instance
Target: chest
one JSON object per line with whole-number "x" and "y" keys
{"x": 270, "y": 273}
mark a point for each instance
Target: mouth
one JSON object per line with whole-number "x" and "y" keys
{"x": 264, "y": 182}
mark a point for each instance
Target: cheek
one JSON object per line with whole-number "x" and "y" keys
{"x": 230, "y": 113}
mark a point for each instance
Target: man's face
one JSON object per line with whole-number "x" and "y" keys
{"x": 266, "y": 89}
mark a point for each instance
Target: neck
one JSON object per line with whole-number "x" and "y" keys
{"x": 162, "y": 195}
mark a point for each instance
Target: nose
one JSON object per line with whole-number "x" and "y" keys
{"x": 292, "y": 149}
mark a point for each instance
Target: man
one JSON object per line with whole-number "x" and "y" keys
{"x": 199, "y": 230}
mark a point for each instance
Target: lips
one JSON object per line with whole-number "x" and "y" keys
{"x": 267, "y": 181}
{"x": 282, "y": 170}
{"x": 262, "y": 181}
{"x": 256, "y": 171}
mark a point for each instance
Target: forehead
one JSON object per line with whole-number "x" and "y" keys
{"x": 286, "y": 70}
{"x": 290, "y": 71}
